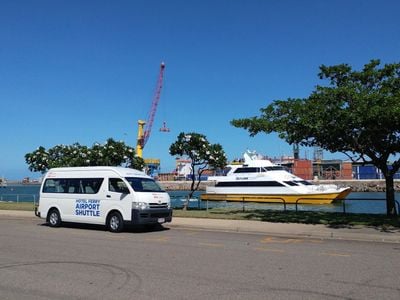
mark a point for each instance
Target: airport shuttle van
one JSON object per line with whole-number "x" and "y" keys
{"x": 111, "y": 196}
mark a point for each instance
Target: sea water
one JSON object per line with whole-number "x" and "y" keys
{"x": 366, "y": 202}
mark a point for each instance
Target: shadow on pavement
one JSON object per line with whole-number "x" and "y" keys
{"x": 127, "y": 228}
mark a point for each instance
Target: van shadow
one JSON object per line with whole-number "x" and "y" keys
{"x": 127, "y": 228}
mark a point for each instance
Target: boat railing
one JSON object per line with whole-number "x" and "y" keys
{"x": 368, "y": 199}
{"x": 245, "y": 200}
{"x": 271, "y": 198}
{"x": 263, "y": 198}
{"x": 310, "y": 199}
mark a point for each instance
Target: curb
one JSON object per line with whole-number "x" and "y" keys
{"x": 288, "y": 230}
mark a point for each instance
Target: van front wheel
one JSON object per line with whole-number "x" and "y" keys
{"x": 115, "y": 223}
{"x": 54, "y": 218}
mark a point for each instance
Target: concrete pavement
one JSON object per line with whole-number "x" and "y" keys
{"x": 293, "y": 230}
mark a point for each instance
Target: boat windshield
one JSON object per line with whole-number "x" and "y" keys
{"x": 247, "y": 170}
{"x": 258, "y": 169}
{"x": 274, "y": 168}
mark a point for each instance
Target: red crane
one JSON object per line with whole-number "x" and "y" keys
{"x": 144, "y": 132}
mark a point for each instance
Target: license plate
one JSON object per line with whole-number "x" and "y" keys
{"x": 161, "y": 220}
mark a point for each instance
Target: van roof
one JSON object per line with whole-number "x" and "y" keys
{"x": 123, "y": 172}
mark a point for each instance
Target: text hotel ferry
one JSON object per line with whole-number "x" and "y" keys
{"x": 259, "y": 180}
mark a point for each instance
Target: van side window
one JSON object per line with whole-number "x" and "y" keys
{"x": 72, "y": 185}
{"x": 117, "y": 185}
{"x": 90, "y": 185}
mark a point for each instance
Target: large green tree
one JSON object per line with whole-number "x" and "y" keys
{"x": 353, "y": 112}
{"x": 111, "y": 153}
{"x": 202, "y": 155}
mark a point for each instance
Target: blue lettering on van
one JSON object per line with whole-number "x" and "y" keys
{"x": 87, "y": 207}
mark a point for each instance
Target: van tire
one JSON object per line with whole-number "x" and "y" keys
{"x": 53, "y": 218}
{"x": 115, "y": 223}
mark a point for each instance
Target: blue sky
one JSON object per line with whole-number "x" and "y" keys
{"x": 83, "y": 71}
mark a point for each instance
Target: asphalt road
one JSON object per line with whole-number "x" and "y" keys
{"x": 87, "y": 262}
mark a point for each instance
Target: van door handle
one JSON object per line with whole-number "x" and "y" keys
{"x": 108, "y": 196}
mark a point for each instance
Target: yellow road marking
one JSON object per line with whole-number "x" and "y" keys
{"x": 336, "y": 254}
{"x": 316, "y": 241}
{"x": 191, "y": 233}
{"x": 281, "y": 241}
{"x": 287, "y": 241}
{"x": 267, "y": 240}
{"x": 158, "y": 239}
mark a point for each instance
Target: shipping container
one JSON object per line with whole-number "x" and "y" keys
{"x": 347, "y": 166}
{"x": 302, "y": 163}
{"x": 303, "y": 172}
{"x": 365, "y": 172}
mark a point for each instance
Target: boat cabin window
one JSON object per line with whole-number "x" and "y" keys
{"x": 291, "y": 183}
{"x": 248, "y": 183}
{"x": 227, "y": 170}
{"x": 304, "y": 182}
{"x": 274, "y": 168}
{"x": 258, "y": 170}
{"x": 247, "y": 170}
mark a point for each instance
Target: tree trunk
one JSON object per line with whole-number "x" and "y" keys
{"x": 190, "y": 195}
{"x": 390, "y": 199}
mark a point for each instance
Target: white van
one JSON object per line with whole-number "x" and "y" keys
{"x": 102, "y": 195}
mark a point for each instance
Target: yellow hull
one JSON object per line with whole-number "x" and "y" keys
{"x": 322, "y": 198}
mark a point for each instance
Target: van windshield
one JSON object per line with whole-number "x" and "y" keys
{"x": 144, "y": 184}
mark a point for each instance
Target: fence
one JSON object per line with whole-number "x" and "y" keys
{"x": 369, "y": 199}
{"x": 341, "y": 206}
{"x": 19, "y": 198}
{"x": 195, "y": 202}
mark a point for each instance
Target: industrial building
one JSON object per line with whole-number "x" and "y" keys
{"x": 332, "y": 169}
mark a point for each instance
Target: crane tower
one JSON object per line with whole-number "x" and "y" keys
{"x": 144, "y": 130}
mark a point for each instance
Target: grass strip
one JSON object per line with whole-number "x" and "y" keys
{"x": 336, "y": 220}
{"x": 27, "y": 206}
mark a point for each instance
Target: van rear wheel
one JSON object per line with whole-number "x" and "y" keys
{"x": 54, "y": 218}
{"x": 115, "y": 223}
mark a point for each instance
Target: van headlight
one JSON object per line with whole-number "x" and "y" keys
{"x": 140, "y": 205}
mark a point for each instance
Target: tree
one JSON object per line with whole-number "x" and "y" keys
{"x": 202, "y": 155}
{"x": 112, "y": 153}
{"x": 356, "y": 113}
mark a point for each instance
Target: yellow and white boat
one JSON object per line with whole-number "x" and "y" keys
{"x": 259, "y": 180}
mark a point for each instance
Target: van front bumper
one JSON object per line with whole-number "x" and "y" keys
{"x": 151, "y": 216}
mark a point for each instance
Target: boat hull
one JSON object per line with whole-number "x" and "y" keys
{"x": 317, "y": 198}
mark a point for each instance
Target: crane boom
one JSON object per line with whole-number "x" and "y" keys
{"x": 145, "y": 126}
{"x": 154, "y": 105}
